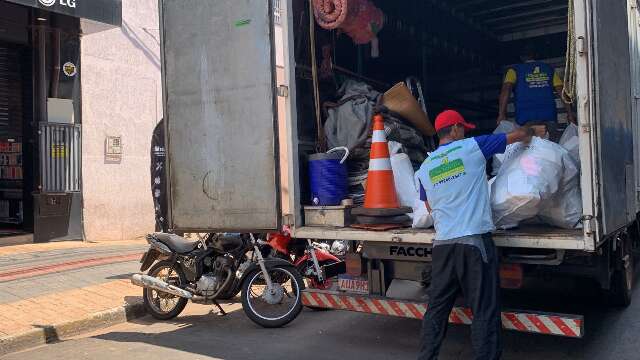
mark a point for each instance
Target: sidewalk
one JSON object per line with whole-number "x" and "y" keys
{"x": 49, "y": 291}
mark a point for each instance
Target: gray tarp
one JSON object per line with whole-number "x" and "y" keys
{"x": 349, "y": 124}
{"x": 349, "y": 120}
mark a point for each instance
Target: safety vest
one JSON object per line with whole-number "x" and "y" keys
{"x": 534, "y": 97}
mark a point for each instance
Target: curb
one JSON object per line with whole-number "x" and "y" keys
{"x": 53, "y": 333}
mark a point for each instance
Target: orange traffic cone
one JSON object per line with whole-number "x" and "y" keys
{"x": 381, "y": 190}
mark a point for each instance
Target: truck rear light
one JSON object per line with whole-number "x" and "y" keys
{"x": 511, "y": 276}
{"x": 354, "y": 264}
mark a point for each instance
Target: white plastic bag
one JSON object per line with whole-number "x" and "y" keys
{"x": 394, "y": 147}
{"x": 570, "y": 141}
{"x": 504, "y": 127}
{"x": 569, "y": 132}
{"x": 403, "y": 177}
{"x": 564, "y": 210}
{"x": 530, "y": 175}
{"x": 422, "y": 219}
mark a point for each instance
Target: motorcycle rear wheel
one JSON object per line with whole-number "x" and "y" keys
{"x": 312, "y": 283}
{"x": 153, "y": 300}
{"x": 254, "y": 296}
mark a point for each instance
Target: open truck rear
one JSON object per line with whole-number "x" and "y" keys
{"x": 239, "y": 136}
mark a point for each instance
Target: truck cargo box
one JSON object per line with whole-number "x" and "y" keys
{"x": 237, "y": 161}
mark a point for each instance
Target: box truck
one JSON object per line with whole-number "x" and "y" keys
{"x": 238, "y": 137}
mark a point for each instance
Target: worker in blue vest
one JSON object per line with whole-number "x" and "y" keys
{"x": 533, "y": 83}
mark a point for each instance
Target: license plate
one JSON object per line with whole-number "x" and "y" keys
{"x": 353, "y": 284}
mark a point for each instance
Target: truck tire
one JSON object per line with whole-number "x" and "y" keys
{"x": 619, "y": 295}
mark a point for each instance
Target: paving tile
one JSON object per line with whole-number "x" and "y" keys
{"x": 67, "y": 295}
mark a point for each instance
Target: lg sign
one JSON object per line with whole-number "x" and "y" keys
{"x": 67, "y": 3}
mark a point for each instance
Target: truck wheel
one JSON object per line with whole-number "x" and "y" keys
{"x": 622, "y": 279}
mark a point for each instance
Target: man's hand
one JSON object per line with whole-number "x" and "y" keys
{"x": 534, "y": 130}
{"x": 525, "y": 133}
{"x": 539, "y": 130}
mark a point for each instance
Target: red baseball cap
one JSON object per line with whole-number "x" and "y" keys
{"x": 449, "y": 118}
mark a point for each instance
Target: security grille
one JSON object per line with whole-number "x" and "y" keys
{"x": 10, "y": 93}
{"x": 60, "y": 149}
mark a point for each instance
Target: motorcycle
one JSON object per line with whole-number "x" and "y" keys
{"x": 209, "y": 269}
{"x": 315, "y": 261}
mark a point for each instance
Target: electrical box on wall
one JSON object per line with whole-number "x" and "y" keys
{"x": 113, "y": 150}
{"x": 60, "y": 111}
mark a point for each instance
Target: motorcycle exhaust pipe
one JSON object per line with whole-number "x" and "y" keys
{"x": 151, "y": 282}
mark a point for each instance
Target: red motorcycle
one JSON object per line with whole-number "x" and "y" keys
{"x": 314, "y": 261}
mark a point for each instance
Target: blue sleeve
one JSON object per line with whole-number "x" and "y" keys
{"x": 423, "y": 193}
{"x": 492, "y": 144}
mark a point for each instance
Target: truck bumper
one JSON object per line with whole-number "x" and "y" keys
{"x": 525, "y": 321}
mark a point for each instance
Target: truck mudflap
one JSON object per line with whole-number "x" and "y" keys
{"x": 524, "y": 321}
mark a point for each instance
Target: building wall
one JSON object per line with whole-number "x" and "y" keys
{"x": 121, "y": 96}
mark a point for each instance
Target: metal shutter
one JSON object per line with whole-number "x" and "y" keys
{"x": 11, "y": 113}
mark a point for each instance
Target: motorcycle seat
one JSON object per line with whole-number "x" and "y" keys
{"x": 176, "y": 243}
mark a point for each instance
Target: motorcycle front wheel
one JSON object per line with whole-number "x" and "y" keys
{"x": 274, "y": 307}
{"x": 161, "y": 305}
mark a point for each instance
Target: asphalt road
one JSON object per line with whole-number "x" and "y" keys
{"x": 610, "y": 334}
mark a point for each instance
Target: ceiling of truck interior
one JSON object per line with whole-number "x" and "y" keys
{"x": 509, "y": 19}
{"x": 473, "y": 33}
{"x": 500, "y": 19}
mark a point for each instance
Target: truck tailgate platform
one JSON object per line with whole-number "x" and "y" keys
{"x": 530, "y": 236}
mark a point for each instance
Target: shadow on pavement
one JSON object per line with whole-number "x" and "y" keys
{"x": 122, "y": 276}
{"x": 610, "y": 334}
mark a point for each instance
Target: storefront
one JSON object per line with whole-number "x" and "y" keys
{"x": 41, "y": 114}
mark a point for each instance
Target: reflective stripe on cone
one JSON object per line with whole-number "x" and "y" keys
{"x": 381, "y": 191}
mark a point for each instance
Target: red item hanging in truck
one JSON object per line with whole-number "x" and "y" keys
{"x": 360, "y": 19}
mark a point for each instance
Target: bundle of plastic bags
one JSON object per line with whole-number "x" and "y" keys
{"x": 569, "y": 141}
{"x": 538, "y": 179}
{"x": 407, "y": 187}
{"x": 403, "y": 179}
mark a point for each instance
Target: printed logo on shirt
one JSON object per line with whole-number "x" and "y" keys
{"x": 448, "y": 171}
{"x": 445, "y": 154}
{"x": 537, "y": 79}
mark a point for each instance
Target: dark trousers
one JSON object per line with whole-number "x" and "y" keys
{"x": 460, "y": 268}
